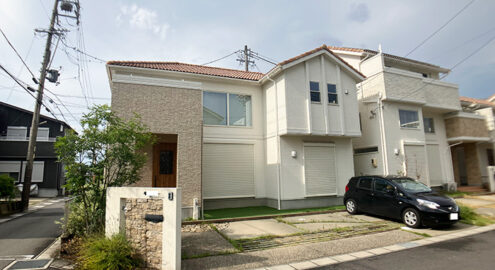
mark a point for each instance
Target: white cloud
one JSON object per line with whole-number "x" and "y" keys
{"x": 142, "y": 19}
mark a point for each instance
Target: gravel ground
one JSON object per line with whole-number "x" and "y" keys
{"x": 284, "y": 255}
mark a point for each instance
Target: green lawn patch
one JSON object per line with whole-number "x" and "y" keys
{"x": 260, "y": 211}
{"x": 468, "y": 216}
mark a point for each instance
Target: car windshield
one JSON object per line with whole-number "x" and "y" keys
{"x": 410, "y": 185}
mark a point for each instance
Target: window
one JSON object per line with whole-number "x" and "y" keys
{"x": 332, "y": 94}
{"x": 214, "y": 108}
{"x": 408, "y": 119}
{"x": 239, "y": 110}
{"x": 43, "y": 133}
{"x": 429, "y": 125}
{"x": 166, "y": 162}
{"x": 382, "y": 185}
{"x": 222, "y": 109}
{"x": 16, "y": 133}
{"x": 314, "y": 88}
{"x": 365, "y": 183}
{"x": 366, "y": 150}
{"x": 489, "y": 153}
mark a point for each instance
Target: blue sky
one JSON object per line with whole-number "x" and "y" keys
{"x": 200, "y": 31}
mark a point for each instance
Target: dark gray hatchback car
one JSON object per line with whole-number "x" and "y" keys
{"x": 402, "y": 198}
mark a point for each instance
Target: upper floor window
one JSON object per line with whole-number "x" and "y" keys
{"x": 223, "y": 109}
{"x": 408, "y": 119}
{"x": 16, "y": 133}
{"x": 429, "y": 125}
{"x": 314, "y": 88}
{"x": 332, "y": 94}
{"x": 43, "y": 133}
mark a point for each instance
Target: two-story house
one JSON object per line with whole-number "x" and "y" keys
{"x": 471, "y": 133}
{"x": 402, "y": 104}
{"x": 15, "y": 123}
{"x": 231, "y": 138}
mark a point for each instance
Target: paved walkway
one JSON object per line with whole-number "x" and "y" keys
{"x": 483, "y": 204}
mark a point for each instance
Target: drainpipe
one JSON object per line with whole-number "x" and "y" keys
{"x": 279, "y": 206}
{"x": 382, "y": 135}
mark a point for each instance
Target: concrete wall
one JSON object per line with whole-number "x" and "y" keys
{"x": 163, "y": 110}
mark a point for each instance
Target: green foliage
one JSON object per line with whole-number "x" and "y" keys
{"x": 7, "y": 187}
{"x": 99, "y": 252}
{"x": 105, "y": 154}
{"x": 468, "y": 216}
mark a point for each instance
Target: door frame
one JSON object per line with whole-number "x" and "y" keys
{"x": 157, "y": 147}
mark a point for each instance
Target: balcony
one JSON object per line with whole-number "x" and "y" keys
{"x": 410, "y": 87}
{"x": 466, "y": 127}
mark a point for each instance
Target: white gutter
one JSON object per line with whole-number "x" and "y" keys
{"x": 279, "y": 156}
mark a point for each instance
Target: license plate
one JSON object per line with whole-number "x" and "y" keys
{"x": 454, "y": 216}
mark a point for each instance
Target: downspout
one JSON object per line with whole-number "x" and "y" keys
{"x": 382, "y": 135}
{"x": 279, "y": 189}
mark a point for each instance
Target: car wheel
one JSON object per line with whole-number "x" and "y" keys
{"x": 411, "y": 218}
{"x": 351, "y": 207}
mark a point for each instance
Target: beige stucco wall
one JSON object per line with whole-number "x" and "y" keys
{"x": 167, "y": 110}
{"x": 465, "y": 127}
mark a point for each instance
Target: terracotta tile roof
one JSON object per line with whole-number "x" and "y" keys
{"x": 385, "y": 54}
{"x": 323, "y": 47}
{"x": 477, "y": 101}
{"x": 189, "y": 68}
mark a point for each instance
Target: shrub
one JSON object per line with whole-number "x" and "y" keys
{"x": 7, "y": 187}
{"x": 99, "y": 252}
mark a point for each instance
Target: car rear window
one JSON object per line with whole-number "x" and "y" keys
{"x": 365, "y": 183}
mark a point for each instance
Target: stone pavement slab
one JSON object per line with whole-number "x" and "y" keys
{"x": 315, "y": 227}
{"x": 207, "y": 242}
{"x": 440, "y": 230}
{"x": 473, "y": 202}
{"x": 329, "y": 217}
{"x": 256, "y": 228}
{"x": 486, "y": 211}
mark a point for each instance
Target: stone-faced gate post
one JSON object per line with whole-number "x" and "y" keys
{"x": 151, "y": 220}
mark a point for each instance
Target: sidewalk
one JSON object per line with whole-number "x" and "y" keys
{"x": 482, "y": 204}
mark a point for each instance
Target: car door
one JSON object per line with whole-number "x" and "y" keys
{"x": 385, "y": 200}
{"x": 364, "y": 194}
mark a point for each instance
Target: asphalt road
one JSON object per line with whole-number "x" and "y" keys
{"x": 472, "y": 252}
{"x": 32, "y": 233}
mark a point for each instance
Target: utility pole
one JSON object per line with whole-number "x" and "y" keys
{"x": 244, "y": 57}
{"x": 33, "y": 133}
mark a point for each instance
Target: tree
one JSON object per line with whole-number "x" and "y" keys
{"x": 105, "y": 154}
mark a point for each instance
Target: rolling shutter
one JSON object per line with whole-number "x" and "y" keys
{"x": 228, "y": 170}
{"x": 435, "y": 166}
{"x": 416, "y": 163}
{"x": 319, "y": 169}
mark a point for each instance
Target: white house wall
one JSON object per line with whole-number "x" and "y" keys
{"x": 292, "y": 177}
{"x": 320, "y": 118}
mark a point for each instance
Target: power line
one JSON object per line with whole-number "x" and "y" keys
{"x": 83, "y": 52}
{"x": 17, "y": 53}
{"x": 221, "y": 58}
{"x": 439, "y": 29}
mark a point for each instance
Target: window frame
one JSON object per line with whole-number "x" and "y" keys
{"x": 333, "y": 94}
{"x": 408, "y": 127}
{"x": 17, "y": 138}
{"x": 314, "y": 91}
{"x": 227, "y": 119}
{"x": 432, "y": 125}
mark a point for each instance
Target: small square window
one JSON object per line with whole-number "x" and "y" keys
{"x": 332, "y": 94}
{"x": 429, "y": 125}
{"x": 314, "y": 88}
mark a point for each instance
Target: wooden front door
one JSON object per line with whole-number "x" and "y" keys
{"x": 165, "y": 165}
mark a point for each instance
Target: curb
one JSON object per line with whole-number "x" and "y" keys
{"x": 48, "y": 252}
{"x": 33, "y": 209}
{"x": 223, "y": 220}
{"x": 377, "y": 251}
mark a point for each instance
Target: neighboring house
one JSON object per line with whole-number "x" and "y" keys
{"x": 15, "y": 125}
{"x": 231, "y": 138}
{"x": 402, "y": 105}
{"x": 471, "y": 133}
